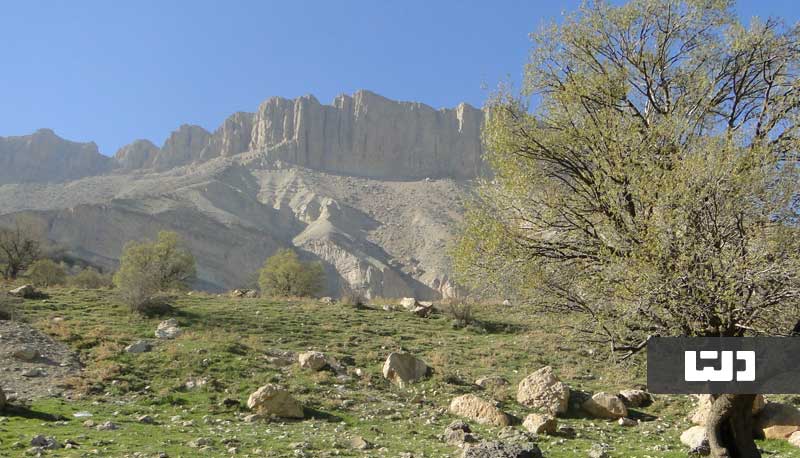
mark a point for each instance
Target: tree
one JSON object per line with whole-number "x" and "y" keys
{"x": 652, "y": 188}
{"x": 45, "y": 272}
{"x": 18, "y": 249}
{"x": 149, "y": 269}
{"x": 90, "y": 278}
{"x": 284, "y": 274}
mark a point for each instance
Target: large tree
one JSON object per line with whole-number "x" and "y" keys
{"x": 651, "y": 185}
{"x": 19, "y": 247}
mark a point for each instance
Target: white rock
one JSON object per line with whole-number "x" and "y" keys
{"x": 313, "y": 360}
{"x": 540, "y": 424}
{"x": 543, "y": 390}
{"x": 403, "y": 368}
{"x": 605, "y": 405}
{"x": 168, "y": 329}
{"x": 479, "y": 410}
{"x": 274, "y": 400}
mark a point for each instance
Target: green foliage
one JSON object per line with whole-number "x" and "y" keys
{"x": 45, "y": 272}
{"x": 284, "y": 274}
{"x": 19, "y": 247}
{"x": 90, "y": 278}
{"x": 149, "y": 269}
{"x": 649, "y": 188}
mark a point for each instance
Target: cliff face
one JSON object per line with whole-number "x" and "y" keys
{"x": 363, "y": 135}
{"x": 45, "y": 157}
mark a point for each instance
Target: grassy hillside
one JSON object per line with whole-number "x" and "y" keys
{"x": 227, "y": 343}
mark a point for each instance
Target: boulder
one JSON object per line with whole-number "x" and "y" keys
{"x": 140, "y": 346}
{"x": 540, "y": 424}
{"x": 543, "y": 390}
{"x": 778, "y": 421}
{"x": 794, "y": 439}
{"x": 25, "y": 292}
{"x": 502, "y": 450}
{"x": 605, "y": 405}
{"x": 635, "y": 398}
{"x": 403, "y": 368}
{"x": 458, "y": 433}
{"x": 491, "y": 381}
{"x": 627, "y": 422}
{"x": 408, "y": 303}
{"x": 479, "y": 410}
{"x": 507, "y": 302}
{"x": 422, "y": 311}
{"x": 168, "y": 329}
{"x": 326, "y": 300}
{"x": 27, "y": 354}
{"x": 313, "y": 360}
{"x": 704, "y": 402}
{"x": 274, "y": 400}
{"x": 695, "y": 437}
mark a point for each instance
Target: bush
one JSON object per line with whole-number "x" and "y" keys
{"x": 148, "y": 270}
{"x": 8, "y": 306}
{"x": 284, "y": 274}
{"x": 352, "y": 297}
{"x": 460, "y": 312}
{"x": 90, "y": 278}
{"x": 44, "y": 273}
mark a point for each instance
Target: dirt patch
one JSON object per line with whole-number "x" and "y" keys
{"x": 24, "y": 378}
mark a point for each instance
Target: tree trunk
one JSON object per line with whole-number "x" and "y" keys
{"x": 730, "y": 427}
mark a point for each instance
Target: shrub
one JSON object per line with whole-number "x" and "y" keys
{"x": 284, "y": 274}
{"x": 460, "y": 312}
{"x": 90, "y": 278}
{"x": 148, "y": 270}
{"x": 8, "y": 306}
{"x": 44, "y": 273}
{"x": 353, "y": 297}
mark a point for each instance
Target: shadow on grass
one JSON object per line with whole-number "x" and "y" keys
{"x": 320, "y": 415}
{"x": 24, "y": 412}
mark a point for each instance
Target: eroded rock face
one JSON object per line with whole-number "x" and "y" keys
{"x": 403, "y": 368}
{"x": 543, "y": 390}
{"x": 274, "y": 400}
{"x": 605, "y": 405}
{"x": 479, "y": 410}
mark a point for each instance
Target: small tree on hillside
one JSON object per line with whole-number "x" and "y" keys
{"x": 90, "y": 278}
{"x": 149, "y": 269}
{"x": 284, "y": 274}
{"x": 650, "y": 189}
{"x": 45, "y": 272}
{"x": 18, "y": 249}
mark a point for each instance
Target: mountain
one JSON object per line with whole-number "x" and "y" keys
{"x": 370, "y": 186}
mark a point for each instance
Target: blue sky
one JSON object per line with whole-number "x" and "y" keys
{"x": 115, "y": 71}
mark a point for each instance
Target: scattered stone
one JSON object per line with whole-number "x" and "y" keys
{"x": 458, "y": 433}
{"x": 794, "y": 439}
{"x": 491, "y": 381}
{"x": 25, "y": 292}
{"x": 695, "y": 437}
{"x": 327, "y": 300}
{"x": 541, "y": 424}
{"x": 313, "y": 360}
{"x": 89, "y": 424}
{"x": 107, "y": 426}
{"x": 479, "y": 410}
{"x": 627, "y": 422}
{"x": 140, "y": 346}
{"x": 274, "y": 400}
{"x": 199, "y": 442}
{"x": 598, "y": 451}
{"x": 403, "y": 368}
{"x": 567, "y": 431}
{"x": 48, "y": 443}
{"x": 543, "y": 390}
{"x": 246, "y": 293}
{"x": 502, "y": 450}
{"x": 422, "y": 311}
{"x": 35, "y": 372}
{"x": 605, "y": 405}
{"x": 408, "y": 303}
{"x": 145, "y": 419}
{"x": 507, "y": 303}
{"x": 778, "y": 421}
{"x": 359, "y": 443}
{"x": 168, "y": 329}
{"x": 635, "y": 398}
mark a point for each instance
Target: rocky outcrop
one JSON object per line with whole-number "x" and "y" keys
{"x": 137, "y": 155}
{"x": 45, "y": 157}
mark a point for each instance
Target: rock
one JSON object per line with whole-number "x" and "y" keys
{"x": 491, "y": 381}
{"x": 107, "y": 426}
{"x": 25, "y": 292}
{"x": 507, "y": 303}
{"x": 168, "y": 329}
{"x": 199, "y": 442}
{"x": 605, "y": 405}
{"x": 794, "y": 439}
{"x": 408, "y": 303}
{"x": 778, "y": 421}
{"x": 313, "y": 360}
{"x": 27, "y": 354}
{"x": 359, "y": 443}
{"x": 502, "y": 450}
{"x": 49, "y": 443}
{"x": 479, "y": 410}
{"x": 145, "y": 419}
{"x": 458, "y": 433}
{"x": 540, "y": 424}
{"x": 326, "y": 300}
{"x": 35, "y": 372}
{"x": 274, "y": 400}
{"x": 695, "y": 438}
{"x": 635, "y": 398}
{"x": 598, "y": 451}
{"x": 243, "y": 293}
{"x": 140, "y": 346}
{"x": 704, "y": 402}
{"x": 403, "y": 368}
{"x": 627, "y": 422}
{"x": 543, "y": 390}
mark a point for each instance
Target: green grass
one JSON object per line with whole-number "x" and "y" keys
{"x": 226, "y": 340}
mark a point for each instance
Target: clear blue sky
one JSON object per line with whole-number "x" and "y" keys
{"x": 115, "y": 71}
